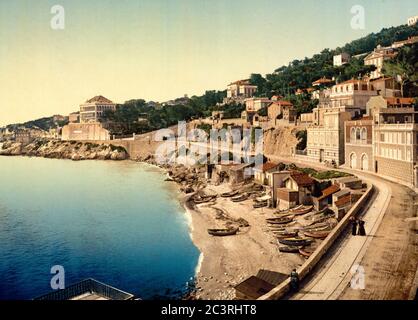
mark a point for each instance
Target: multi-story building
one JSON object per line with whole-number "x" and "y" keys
{"x": 395, "y": 135}
{"x": 349, "y": 96}
{"x": 341, "y": 59}
{"x": 326, "y": 141}
{"x": 377, "y": 58}
{"x": 281, "y": 112}
{"x": 74, "y": 117}
{"x": 240, "y": 90}
{"x": 412, "y": 21}
{"x": 359, "y": 144}
{"x": 252, "y": 106}
{"x": 92, "y": 110}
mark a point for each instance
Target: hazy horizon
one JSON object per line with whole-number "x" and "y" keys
{"x": 161, "y": 50}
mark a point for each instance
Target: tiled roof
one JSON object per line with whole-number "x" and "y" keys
{"x": 395, "y": 101}
{"x": 283, "y": 103}
{"x": 321, "y": 81}
{"x": 343, "y": 201}
{"x": 99, "y": 99}
{"x": 329, "y": 191}
{"x": 269, "y": 165}
{"x": 241, "y": 82}
{"x": 302, "y": 179}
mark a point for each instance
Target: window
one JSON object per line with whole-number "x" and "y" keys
{"x": 364, "y": 135}
{"x": 358, "y": 134}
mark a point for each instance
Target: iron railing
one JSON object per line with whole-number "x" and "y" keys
{"x": 84, "y": 287}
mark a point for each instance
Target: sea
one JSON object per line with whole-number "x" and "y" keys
{"x": 119, "y": 223}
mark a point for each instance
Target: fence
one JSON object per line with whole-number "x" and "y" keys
{"x": 87, "y": 286}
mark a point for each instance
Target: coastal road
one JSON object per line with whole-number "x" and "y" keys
{"x": 333, "y": 275}
{"x": 388, "y": 254}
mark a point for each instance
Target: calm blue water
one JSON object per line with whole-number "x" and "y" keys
{"x": 116, "y": 222}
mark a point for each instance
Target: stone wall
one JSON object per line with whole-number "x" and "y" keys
{"x": 84, "y": 131}
{"x": 399, "y": 170}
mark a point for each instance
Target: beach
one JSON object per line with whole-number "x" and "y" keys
{"x": 227, "y": 261}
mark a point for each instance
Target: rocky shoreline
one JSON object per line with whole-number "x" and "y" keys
{"x": 56, "y": 149}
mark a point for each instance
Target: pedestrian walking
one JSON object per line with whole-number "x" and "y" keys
{"x": 353, "y": 226}
{"x": 361, "y": 229}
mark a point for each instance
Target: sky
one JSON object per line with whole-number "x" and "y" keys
{"x": 162, "y": 49}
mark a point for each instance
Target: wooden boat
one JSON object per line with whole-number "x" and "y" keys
{"x": 284, "y": 220}
{"x": 318, "y": 234}
{"x": 290, "y": 249}
{"x": 306, "y": 251}
{"x": 258, "y": 205}
{"x": 240, "y": 198}
{"x": 301, "y": 210}
{"x": 229, "y": 194}
{"x": 285, "y": 235}
{"x": 204, "y": 199}
{"x": 223, "y": 232}
{"x": 295, "y": 241}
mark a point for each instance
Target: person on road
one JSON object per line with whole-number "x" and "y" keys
{"x": 361, "y": 229}
{"x": 294, "y": 281}
{"x": 353, "y": 226}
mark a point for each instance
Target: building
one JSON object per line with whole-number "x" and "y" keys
{"x": 261, "y": 175}
{"x": 326, "y": 198}
{"x": 92, "y": 110}
{"x": 240, "y": 90}
{"x": 377, "y": 58}
{"x": 409, "y": 41}
{"x": 395, "y": 135}
{"x": 252, "y": 106}
{"x": 23, "y": 136}
{"x": 326, "y": 141}
{"x": 322, "y": 82}
{"x": 341, "y": 59}
{"x": 386, "y": 87}
{"x": 359, "y": 144}
{"x": 412, "y": 21}
{"x": 297, "y": 189}
{"x": 281, "y": 111}
{"x": 74, "y": 117}
{"x": 84, "y": 131}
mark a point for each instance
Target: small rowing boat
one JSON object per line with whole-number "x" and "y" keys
{"x": 283, "y": 220}
{"x": 240, "y": 198}
{"x": 301, "y": 210}
{"x": 295, "y": 241}
{"x": 258, "y": 205}
{"x": 307, "y": 251}
{"x": 318, "y": 234}
{"x": 223, "y": 232}
{"x": 229, "y": 194}
{"x": 289, "y": 249}
{"x": 285, "y": 235}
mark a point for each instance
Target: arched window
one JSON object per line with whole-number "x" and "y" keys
{"x": 358, "y": 134}
{"x": 353, "y": 135}
{"x": 364, "y": 135}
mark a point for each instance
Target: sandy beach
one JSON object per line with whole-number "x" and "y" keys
{"x": 226, "y": 261}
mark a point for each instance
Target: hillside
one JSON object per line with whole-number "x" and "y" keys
{"x": 300, "y": 74}
{"x": 45, "y": 123}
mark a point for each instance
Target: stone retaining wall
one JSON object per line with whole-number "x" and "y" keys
{"x": 309, "y": 264}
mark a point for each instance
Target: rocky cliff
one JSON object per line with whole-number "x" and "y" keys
{"x": 279, "y": 141}
{"x": 65, "y": 150}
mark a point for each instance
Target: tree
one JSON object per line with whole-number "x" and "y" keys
{"x": 404, "y": 67}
